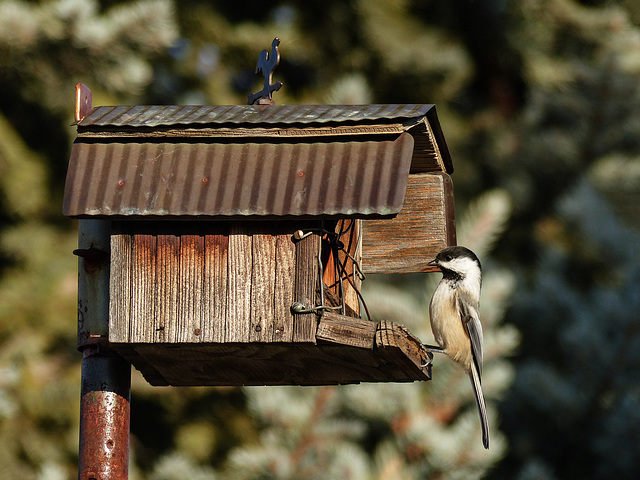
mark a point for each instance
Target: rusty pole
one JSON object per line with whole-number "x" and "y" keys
{"x": 106, "y": 378}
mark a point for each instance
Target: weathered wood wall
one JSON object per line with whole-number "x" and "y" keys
{"x": 424, "y": 227}
{"x": 211, "y": 282}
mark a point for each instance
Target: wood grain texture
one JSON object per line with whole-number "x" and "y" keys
{"x": 427, "y": 155}
{"x": 345, "y": 330}
{"x": 254, "y": 132}
{"x": 424, "y": 227}
{"x": 284, "y": 288}
{"x": 224, "y": 282}
{"x": 143, "y": 280}
{"x": 238, "y": 325}
{"x": 211, "y": 282}
{"x": 401, "y": 344}
{"x": 165, "y": 323}
{"x": 191, "y": 281}
{"x": 215, "y": 288}
{"x": 306, "y": 287}
{"x": 120, "y": 288}
{"x": 263, "y": 282}
{"x": 349, "y": 350}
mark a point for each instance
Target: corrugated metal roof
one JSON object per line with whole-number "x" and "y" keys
{"x": 155, "y": 116}
{"x": 356, "y": 178}
{"x": 275, "y": 122}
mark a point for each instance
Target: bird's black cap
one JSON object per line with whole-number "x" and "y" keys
{"x": 450, "y": 253}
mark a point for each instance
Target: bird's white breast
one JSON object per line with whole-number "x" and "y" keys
{"x": 447, "y": 327}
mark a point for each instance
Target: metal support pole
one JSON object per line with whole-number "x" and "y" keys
{"x": 106, "y": 378}
{"x": 104, "y": 416}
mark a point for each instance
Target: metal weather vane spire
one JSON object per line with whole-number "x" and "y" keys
{"x": 267, "y": 63}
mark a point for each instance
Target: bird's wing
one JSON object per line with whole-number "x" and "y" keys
{"x": 468, "y": 308}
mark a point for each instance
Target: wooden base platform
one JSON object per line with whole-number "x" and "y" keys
{"x": 347, "y": 350}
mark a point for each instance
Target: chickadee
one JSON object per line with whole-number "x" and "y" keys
{"x": 455, "y": 319}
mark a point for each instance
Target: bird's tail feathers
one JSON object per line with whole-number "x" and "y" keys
{"x": 482, "y": 407}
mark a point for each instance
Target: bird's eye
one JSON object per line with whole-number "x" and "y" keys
{"x": 448, "y": 258}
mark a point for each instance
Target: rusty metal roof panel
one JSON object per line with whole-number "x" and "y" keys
{"x": 213, "y": 180}
{"x": 156, "y": 116}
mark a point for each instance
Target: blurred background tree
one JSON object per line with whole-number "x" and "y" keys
{"x": 539, "y": 101}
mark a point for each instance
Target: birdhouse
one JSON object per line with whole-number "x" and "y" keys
{"x": 239, "y": 235}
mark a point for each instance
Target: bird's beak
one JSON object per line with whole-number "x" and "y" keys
{"x": 433, "y": 263}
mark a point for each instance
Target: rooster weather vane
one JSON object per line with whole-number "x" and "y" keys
{"x": 267, "y": 63}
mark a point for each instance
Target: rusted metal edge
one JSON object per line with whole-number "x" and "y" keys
{"x": 238, "y": 180}
{"x": 155, "y": 115}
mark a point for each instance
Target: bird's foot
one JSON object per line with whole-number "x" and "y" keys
{"x": 433, "y": 348}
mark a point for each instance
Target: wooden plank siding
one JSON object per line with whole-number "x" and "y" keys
{"x": 222, "y": 284}
{"x": 306, "y": 287}
{"x": 424, "y": 227}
